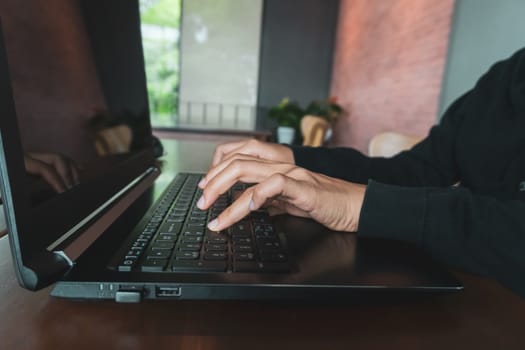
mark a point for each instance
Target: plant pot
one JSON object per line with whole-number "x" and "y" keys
{"x": 285, "y": 134}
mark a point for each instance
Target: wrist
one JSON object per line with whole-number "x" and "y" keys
{"x": 357, "y": 197}
{"x": 286, "y": 154}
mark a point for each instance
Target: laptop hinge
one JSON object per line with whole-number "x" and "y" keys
{"x": 77, "y": 240}
{"x": 43, "y": 270}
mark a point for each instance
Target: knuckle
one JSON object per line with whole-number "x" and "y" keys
{"x": 298, "y": 172}
{"x": 237, "y": 165}
{"x": 253, "y": 142}
{"x": 218, "y": 150}
{"x": 279, "y": 179}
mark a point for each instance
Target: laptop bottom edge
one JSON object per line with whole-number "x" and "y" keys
{"x": 136, "y": 292}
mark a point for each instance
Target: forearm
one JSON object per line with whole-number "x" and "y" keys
{"x": 430, "y": 163}
{"x": 480, "y": 234}
{"x": 343, "y": 163}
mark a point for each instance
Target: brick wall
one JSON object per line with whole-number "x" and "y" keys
{"x": 388, "y": 66}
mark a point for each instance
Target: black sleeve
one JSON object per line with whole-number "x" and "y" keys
{"x": 481, "y": 234}
{"x": 410, "y": 197}
{"x": 429, "y": 163}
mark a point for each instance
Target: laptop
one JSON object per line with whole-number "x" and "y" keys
{"x": 117, "y": 233}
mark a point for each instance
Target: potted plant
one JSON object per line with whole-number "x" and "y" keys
{"x": 327, "y": 109}
{"x": 288, "y": 115}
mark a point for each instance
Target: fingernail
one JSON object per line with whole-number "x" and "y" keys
{"x": 212, "y": 225}
{"x": 200, "y": 202}
{"x": 251, "y": 205}
{"x": 202, "y": 183}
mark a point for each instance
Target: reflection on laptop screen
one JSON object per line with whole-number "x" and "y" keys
{"x": 79, "y": 102}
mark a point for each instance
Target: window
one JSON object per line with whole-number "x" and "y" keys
{"x": 220, "y": 63}
{"x": 160, "y": 26}
{"x": 219, "y": 41}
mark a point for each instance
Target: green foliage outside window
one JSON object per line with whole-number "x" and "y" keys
{"x": 160, "y": 21}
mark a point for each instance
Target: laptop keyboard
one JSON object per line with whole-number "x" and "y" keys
{"x": 176, "y": 238}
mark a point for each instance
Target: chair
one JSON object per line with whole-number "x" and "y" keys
{"x": 314, "y": 130}
{"x": 113, "y": 140}
{"x": 388, "y": 144}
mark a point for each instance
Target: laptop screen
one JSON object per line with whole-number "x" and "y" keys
{"x": 78, "y": 85}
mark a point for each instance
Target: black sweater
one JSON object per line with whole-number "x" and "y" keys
{"x": 480, "y": 143}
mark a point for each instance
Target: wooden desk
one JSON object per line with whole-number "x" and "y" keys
{"x": 484, "y": 316}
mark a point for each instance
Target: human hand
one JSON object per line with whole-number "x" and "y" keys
{"x": 57, "y": 170}
{"x": 282, "y": 187}
{"x": 259, "y": 149}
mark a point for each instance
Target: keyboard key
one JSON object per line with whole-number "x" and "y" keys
{"x": 126, "y": 265}
{"x": 199, "y": 266}
{"x": 146, "y": 235}
{"x": 243, "y": 248}
{"x": 158, "y": 254}
{"x": 193, "y": 231}
{"x": 162, "y": 245}
{"x": 269, "y": 246}
{"x": 166, "y": 238}
{"x": 152, "y": 225}
{"x": 242, "y": 240}
{"x": 216, "y": 240}
{"x": 133, "y": 253}
{"x": 196, "y": 224}
{"x": 153, "y": 265}
{"x": 216, "y": 247}
{"x": 196, "y": 212}
{"x": 190, "y": 247}
{"x": 187, "y": 255}
{"x": 191, "y": 239}
{"x": 244, "y": 257}
{"x": 263, "y": 230}
{"x": 210, "y": 233}
{"x": 215, "y": 256}
{"x": 183, "y": 204}
{"x": 214, "y": 212}
{"x": 263, "y": 219}
{"x": 139, "y": 244}
{"x": 170, "y": 227}
{"x": 241, "y": 230}
{"x": 176, "y": 219}
{"x": 138, "y": 249}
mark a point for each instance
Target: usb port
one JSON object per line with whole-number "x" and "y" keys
{"x": 168, "y": 292}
